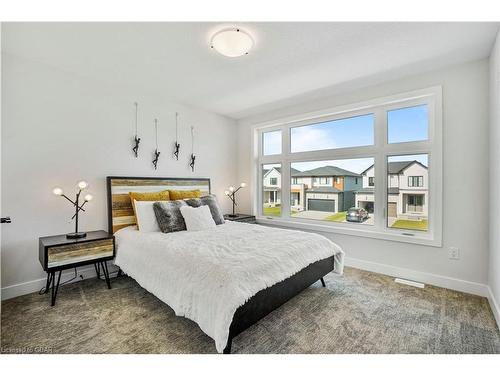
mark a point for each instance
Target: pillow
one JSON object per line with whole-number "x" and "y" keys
{"x": 169, "y": 216}
{"x": 197, "y": 218}
{"x": 183, "y": 194}
{"x": 211, "y": 202}
{"x": 153, "y": 196}
{"x": 145, "y": 216}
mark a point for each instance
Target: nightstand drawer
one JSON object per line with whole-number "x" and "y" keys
{"x": 79, "y": 252}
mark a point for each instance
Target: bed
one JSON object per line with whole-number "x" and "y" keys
{"x": 225, "y": 279}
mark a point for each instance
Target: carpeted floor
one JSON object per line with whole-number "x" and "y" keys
{"x": 360, "y": 312}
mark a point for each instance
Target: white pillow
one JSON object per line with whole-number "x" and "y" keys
{"x": 145, "y": 216}
{"x": 197, "y": 218}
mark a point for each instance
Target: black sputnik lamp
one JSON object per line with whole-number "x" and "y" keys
{"x": 231, "y": 194}
{"x": 82, "y": 185}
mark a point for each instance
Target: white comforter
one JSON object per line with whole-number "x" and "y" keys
{"x": 206, "y": 275}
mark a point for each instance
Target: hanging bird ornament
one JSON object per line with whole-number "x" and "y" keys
{"x": 177, "y": 145}
{"x": 137, "y": 140}
{"x": 157, "y": 153}
{"x": 193, "y": 157}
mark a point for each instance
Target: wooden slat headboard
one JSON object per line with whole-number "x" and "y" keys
{"x": 120, "y": 211}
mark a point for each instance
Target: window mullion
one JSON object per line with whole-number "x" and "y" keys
{"x": 380, "y": 169}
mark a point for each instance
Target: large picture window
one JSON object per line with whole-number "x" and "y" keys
{"x": 319, "y": 173}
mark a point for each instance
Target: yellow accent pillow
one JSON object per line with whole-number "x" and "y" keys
{"x": 153, "y": 196}
{"x": 176, "y": 195}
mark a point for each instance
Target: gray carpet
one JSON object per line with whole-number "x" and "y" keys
{"x": 360, "y": 312}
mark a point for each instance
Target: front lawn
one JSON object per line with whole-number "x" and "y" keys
{"x": 410, "y": 224}
{"x": 272, "y": 211}
{"x": 338, "y": 217}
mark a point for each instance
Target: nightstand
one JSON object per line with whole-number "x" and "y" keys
{"x": 242, "y": 218}
{"x": 57, "y": 253}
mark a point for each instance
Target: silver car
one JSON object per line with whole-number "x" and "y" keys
{"x": 356, "y": 214}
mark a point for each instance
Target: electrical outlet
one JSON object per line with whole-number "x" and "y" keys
{"x": 454, "y": 253}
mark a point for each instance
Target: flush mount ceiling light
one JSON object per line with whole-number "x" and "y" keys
{"x": 232, "y": 42}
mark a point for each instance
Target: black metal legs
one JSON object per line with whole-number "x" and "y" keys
{"x": 106, "y": 273}
{"x": 102, "y": 266}
{"x": 97, "y": 267}
{"x": 323, "y": 283}
{"x": 55, "y": 287}
{"x": 49, "y": 281}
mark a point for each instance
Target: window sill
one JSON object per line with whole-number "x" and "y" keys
{"x": 398, "y": 236}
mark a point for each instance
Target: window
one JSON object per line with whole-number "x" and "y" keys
{"x": 340, "y": 203}
{"x": 408, "y": 124}
{"x": 416, "y": 181}
{"x": 405, "y": 209}
{"x": 329, "y": 164}
{"x": 271, "y": 142}
{"x": 324, "y": 181}
{"x": 271, "y": 189}
{"x": 347, "y": 132}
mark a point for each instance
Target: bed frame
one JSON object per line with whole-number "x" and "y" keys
{"x": 120, "y": 215}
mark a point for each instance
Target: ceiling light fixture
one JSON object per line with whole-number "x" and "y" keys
{"x": 232, "y": 42}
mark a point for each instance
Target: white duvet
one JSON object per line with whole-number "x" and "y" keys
{"x": 206, "y": 275}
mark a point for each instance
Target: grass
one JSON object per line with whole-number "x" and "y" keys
{"x": 272, "y": 211}
{"x": 410, "y": 224}
{"x": 276, "y": 211}
{"x": 339, "y": 217}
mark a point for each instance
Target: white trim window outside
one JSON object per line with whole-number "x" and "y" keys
{"x": 322, "y": 168}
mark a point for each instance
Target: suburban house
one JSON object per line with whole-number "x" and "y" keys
{"x": 272, "y": 187}
{"x": 328, "y": 188}
{"x": 407, "y": 190}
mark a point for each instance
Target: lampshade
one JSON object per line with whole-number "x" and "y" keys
{"x": 82, "y": 185}
{"x": 231, "y": 188}
{"x": 88, "y": 197}
{"x": 243, "y": 184}
{"x": 226, "y": 192}
{"x": 232, "y": 42}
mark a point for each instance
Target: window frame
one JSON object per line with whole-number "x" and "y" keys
{"x": 380, "y": 151}
{"x": 418, "y": 179}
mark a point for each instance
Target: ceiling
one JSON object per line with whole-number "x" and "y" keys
{"x": 288, "y": 60}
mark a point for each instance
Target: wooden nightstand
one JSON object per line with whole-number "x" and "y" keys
{"x": 57, "y": 253}
{"x": 242, "y": 218}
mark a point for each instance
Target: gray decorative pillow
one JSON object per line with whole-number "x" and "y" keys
{"x": 169, "y": 217}
{"x": 211, "y": 202}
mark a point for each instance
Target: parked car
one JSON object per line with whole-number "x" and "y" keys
{"x": 356, "y": 214}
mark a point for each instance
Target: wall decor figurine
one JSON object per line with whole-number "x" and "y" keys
{"x": 157, "y": 153}
{"x": 177, "y": 145}
{"x": 193, "y": 157}
{"x": 137, "y": 140}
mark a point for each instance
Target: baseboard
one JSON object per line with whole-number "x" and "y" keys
{"x": 423, "y": 277}
{"x": 494, "y": 306}
{"x": 87, "y": 272}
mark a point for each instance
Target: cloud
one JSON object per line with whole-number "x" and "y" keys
{"x": 308, "y": 138}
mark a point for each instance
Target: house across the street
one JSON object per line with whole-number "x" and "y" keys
{"x": 407, "y": 190}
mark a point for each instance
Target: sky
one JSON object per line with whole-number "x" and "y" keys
{"x": 403, "y": 125}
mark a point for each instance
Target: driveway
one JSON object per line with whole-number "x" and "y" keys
{"x": 321, "y": 215}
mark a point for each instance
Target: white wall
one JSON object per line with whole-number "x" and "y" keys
{"x": 58, "y": 128}
{"x": 465, "y": 153}
{"x": 494, "y": 204}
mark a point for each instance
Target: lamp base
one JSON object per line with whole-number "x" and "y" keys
{"x": 76, "y": 235}
{"x": 231, "y": 215}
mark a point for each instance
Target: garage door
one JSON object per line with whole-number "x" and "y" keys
{"x": 392, "y": 209}
{"x": 327, "y": 205}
